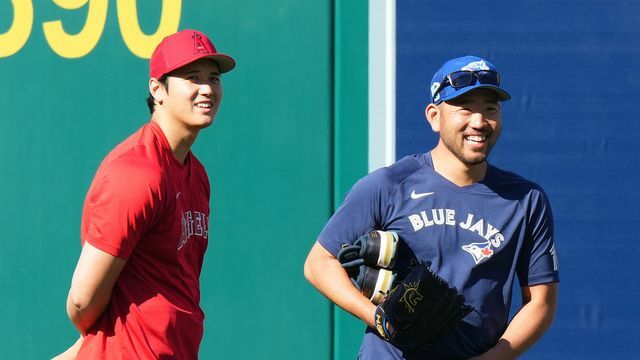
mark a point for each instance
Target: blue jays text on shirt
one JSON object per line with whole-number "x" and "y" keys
{"x": 479, "y": 250}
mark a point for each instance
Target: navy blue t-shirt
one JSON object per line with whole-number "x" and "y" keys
{"x": 477, "y": 237}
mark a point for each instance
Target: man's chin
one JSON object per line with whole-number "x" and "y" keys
{"x": 476, "y": 159}
{"x": 205, "y": 122}
{"x": 197, "y": 126}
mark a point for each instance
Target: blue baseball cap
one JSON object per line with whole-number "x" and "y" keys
{"x": 442, "y": 90}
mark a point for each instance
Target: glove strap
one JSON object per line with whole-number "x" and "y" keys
{"x": 349, "y": 256}
{"x": 376, "y": 249}
{"x": 382, "y": 324}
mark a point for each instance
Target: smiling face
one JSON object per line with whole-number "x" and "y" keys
{"x": 469, "y": 125}
{"x": 192, "y": 96}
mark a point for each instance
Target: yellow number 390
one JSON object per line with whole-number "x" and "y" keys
{"x": 80, "y": 44}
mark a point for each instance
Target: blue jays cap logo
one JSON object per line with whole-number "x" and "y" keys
{"x": 479, "y": 251}
{"x": 476, "y": 66}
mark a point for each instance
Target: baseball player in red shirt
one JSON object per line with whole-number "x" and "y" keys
{"x": 135, "y": 292}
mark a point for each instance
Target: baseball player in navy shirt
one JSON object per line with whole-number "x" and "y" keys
{"x": 481, "y": 227}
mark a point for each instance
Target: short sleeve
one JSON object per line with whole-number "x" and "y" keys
{"x": 538, "y": 262}
{"x": 121, "y": 205}
{"x": 363, "y": 209}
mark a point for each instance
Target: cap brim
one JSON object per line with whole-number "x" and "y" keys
{"x": 502, "y": 94}
{"x": 225, "y": 62}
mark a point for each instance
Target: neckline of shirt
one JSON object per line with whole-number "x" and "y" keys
{"x": 480, "y": 185}
{"x": 165, "y": 144}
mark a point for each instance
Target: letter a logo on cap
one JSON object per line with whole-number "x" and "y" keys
{"x": 198, "y": 45}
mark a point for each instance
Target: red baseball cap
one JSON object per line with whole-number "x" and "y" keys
{"x": 185, "y": 47}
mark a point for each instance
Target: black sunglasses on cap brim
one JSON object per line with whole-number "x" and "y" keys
{"x": 464, "y": 78}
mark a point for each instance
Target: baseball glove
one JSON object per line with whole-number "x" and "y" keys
{"x": 419, "y": 309}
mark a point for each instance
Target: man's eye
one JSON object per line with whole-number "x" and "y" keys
{"x": 192, "y": 77}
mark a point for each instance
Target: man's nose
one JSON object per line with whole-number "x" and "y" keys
{"x": 477, "y": 120}
{"x": 205, "y": 89}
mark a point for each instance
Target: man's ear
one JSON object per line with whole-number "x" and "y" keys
{"x": 157, "y": 90}
{"x": 432, "y": 113}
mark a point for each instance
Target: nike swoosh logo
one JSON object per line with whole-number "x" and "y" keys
{"x": 415, "y": 195}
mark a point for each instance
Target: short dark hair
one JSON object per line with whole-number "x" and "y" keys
{"x": 150, "y": 101}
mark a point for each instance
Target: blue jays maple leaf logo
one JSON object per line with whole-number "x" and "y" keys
{"x": 479, "y": 251}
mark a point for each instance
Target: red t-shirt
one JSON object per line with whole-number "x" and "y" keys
{"x": 147, "y": 208}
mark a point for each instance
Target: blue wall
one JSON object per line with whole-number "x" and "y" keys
{"x": 572, "y": 126}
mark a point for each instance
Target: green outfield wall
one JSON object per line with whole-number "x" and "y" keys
{"x": 288, "y": 142}
{"x": 350, "y": 136}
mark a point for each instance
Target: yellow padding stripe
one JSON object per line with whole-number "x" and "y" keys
{"x": 388, "y": 243}
{"x": 383, "y": 285}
